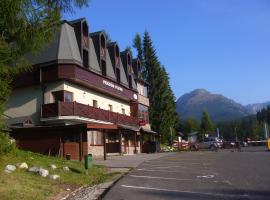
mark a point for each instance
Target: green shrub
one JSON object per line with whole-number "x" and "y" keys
{"x": 6, "y": 144}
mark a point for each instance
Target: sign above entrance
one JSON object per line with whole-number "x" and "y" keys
{"x": 112, "y": 85}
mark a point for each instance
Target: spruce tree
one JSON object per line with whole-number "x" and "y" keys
{"x": 162, "y": 111}
{"x": 190, "y": 125}
{"x": 206, "y": 124}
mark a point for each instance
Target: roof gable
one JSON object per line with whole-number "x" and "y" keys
{"x": 110, "y": 69}
{"x": 68, "y": 49}
{"x": 93, "y": 60}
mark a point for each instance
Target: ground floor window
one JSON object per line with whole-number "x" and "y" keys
{"x": 95, "y": 137}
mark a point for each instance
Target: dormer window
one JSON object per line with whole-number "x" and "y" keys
{"x": 103, "y": 46}
{"x": 103, "y": 68}
{"x": 85, "y": 39}
{"x": 129, "y": 63}
{"x": 117, "y": 56}
{"x": 129, "y": 81}
{"x": 85, "y": 58}
{"x": 118, "y": 75}
{"x": 128, "y": 59}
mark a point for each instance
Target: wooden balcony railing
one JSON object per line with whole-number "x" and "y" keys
{"x": 82, "y": 110}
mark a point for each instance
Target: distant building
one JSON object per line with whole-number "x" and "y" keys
{"x": 82, "y": 96}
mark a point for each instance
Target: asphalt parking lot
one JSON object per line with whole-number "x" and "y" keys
{"x": 225, "y": 174}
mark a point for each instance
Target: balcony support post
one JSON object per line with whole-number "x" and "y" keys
{"x": 81, "y": 146}
{"x": 135, "y": 142}
{"x": 120, "y": 142}
{"x": 104, "y": 143}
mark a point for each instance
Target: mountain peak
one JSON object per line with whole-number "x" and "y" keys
{"x": 200, "y": 90}
{"x": 219, "y": 107}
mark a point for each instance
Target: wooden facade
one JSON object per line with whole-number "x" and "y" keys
{"x": 61, "y": 141}
{"x": 78, "y": 109}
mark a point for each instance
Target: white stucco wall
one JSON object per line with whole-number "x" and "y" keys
{"x": 86, "y": 96}
{"x": 26, "y": 101}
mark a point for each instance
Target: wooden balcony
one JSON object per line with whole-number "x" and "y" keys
{"x": 82, "y": 110}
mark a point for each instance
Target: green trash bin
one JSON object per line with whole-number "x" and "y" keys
{"x": 88, "y": 161}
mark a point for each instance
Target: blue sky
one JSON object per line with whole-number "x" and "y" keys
{"x": 222, "y": 46}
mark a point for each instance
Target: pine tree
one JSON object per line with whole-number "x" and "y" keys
{"x": 162, "y": 111}
{"x": 206, "y": 124}
{"x": 190, "y": 125}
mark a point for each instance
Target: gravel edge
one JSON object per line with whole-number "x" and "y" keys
{"x": 96, "y": 192}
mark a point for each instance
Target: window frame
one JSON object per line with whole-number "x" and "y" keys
{"x": 96, "y": 138}
{"x": 95, "y": 103}
{"x": 61, "y": 94}
{"x": 110, "y": 106}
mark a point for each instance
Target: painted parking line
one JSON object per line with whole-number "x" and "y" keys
{"x": 206, "y": 176}
{"x": 188, "y": 192}
{"x": 156, "y": 170}
{"x": 162, "y": 178}
{"x": 178, "y": 163}
{"x": 165, "y": 167}
{"x": 166, "y": 171}
{"x": 182, "y": 179}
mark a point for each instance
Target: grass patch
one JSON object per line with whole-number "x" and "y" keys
{"x": 27, "y": 185}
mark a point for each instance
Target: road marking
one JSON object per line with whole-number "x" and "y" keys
{"x": 165, "y": 167}
{"x": 154, "y": 170}
{"x": 178, "y": 163}
{"x": 206, "y": 176}
{"x": 163, "y": 178}
{"x": 160, "y": 170}
{"x": 186, "y": 191}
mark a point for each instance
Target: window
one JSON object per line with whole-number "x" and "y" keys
{"x": 117, "y": 56}
{"x": 62, "y": 95}
{"x": 85, "y": 58}
{"x": 103, "y": 46}
{"x": 95, "y": 137}
{"x": 145, "y": 91}
{"x": 68, "y": 96}
{"x": 103, "y": 68}
{"x": 128, "y": 59}
{"x": 123, "y": 111}
{"x": 118, "y": 75}
{"x": 143, "y": 113}
{"x": 95, "y": 103}
{"x": 129, "y": 81}
{"x": 110, "y": 107}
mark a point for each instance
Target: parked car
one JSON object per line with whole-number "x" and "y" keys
{"x": 212, "y": 143}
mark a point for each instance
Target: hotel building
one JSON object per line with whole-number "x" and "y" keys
{"x": 83, "y": 96}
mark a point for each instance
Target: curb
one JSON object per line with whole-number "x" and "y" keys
{"x": 112, "y": 183}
